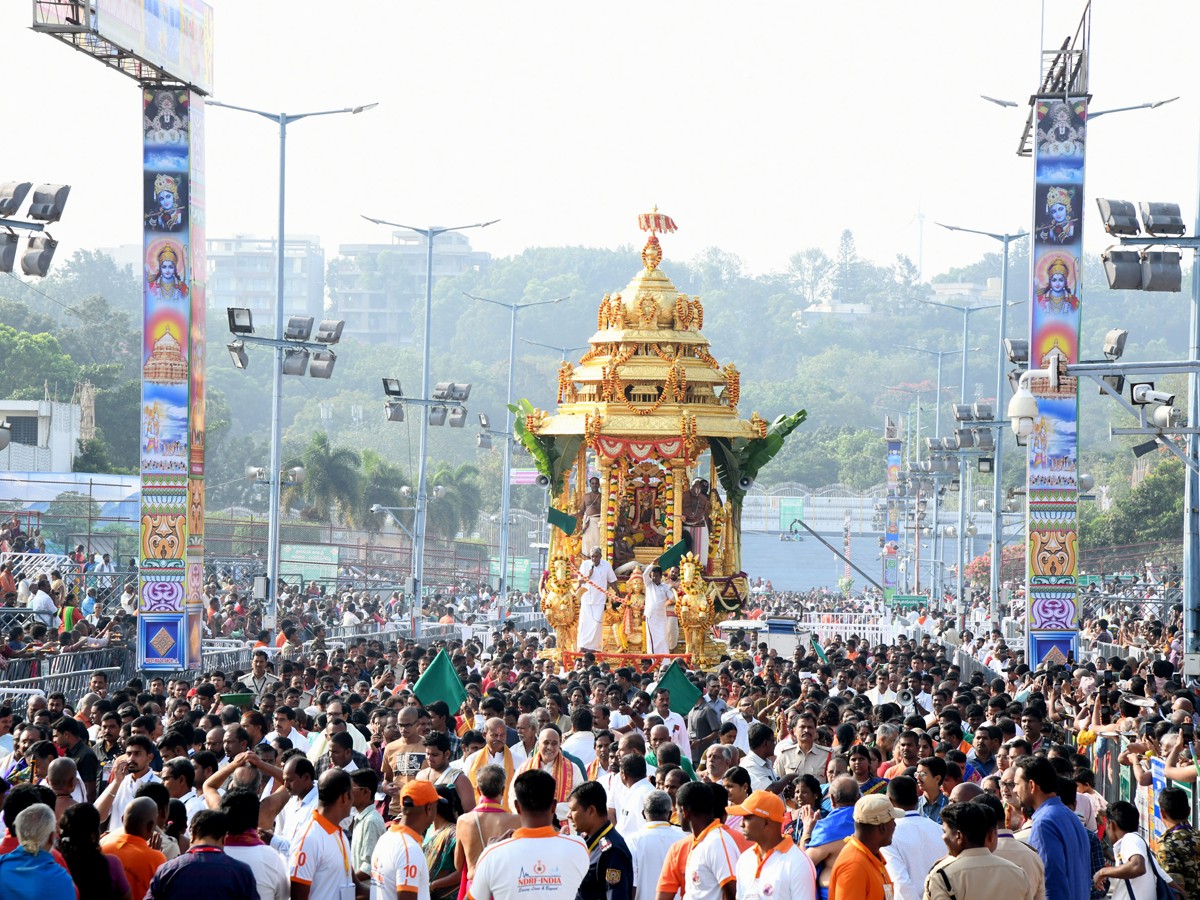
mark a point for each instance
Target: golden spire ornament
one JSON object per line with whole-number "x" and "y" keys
{"x": 654, "y": 222}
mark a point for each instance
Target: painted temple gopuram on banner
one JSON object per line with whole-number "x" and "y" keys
{"x": 649, "y": 461}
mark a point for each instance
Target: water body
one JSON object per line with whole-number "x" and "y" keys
{"x": 804, "y": 565}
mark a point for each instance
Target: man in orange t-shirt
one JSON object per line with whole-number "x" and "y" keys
{"x": 860, "y": 872}
{"x": 139, "y": 860}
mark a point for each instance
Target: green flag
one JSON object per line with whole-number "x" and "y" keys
{"x": 684, "y": 694}
{"x": 560, "y": 520}
{"x": 438, "y": 682}
{"x": 673, "y": 555}
{"x": 820, "y": 651}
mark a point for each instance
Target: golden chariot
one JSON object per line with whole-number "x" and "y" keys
{"x": 651, "y": 414}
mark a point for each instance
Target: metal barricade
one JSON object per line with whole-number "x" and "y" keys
{"x": 870, "y": 627}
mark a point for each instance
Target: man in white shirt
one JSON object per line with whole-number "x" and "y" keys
{"x": 635, "y": 787}
{"x": 598, "y": 576}
{"x": 658, "y": 595}
{"x": 267, "y": 864}
{"x": 319, "y": 859}
{"x": 536, "y": 859}
{"x": 648, "y": 847}
{"x": 138, "y": 751}
{"x": 179, "y": 776}
{"x": 773, "y": 866}
{"x": 581, "y": 743}
{"x": 398, "y": 865}
{"x": 285, "y": 727}
{"x": 673, "y": 721}
{"x": 742, "y": 718}
{"x": 710, "y": 863}
{"x": 299, "y": 778}
{"x": 916, "y": 845}
{"x": 881, "y": 693}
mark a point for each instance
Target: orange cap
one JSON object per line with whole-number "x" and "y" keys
{"x": 420, "y": 792}
{"x": 759, "y": 803}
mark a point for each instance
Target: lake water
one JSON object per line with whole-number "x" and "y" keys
{"x": 807, "y": 564}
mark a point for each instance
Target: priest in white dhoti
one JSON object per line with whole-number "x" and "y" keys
{"x": 658, "y": 594}
{"x": 598, "y": 576}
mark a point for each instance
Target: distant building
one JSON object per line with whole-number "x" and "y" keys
{"x": 965, "y": 292}
{"x": 241, "y": 273}
{"x": 379, "y": 289}
{"x": 45, "y": 434}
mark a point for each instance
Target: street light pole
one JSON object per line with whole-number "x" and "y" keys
{"x": 960, "y": 545}
{"x": 418, "y": 569}
{"x": 563, "y": 350}
{"x": 506, "y": 487}
{"x": 998, "y": 462}
{"x": 274, "y": 476}
{"x": 939, "y": 546}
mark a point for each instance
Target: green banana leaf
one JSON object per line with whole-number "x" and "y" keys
{"x": 740, "y": 458}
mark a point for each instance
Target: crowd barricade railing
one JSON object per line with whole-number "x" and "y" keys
{"x": 73, "y": 684}
{"x": 870, "y": 627}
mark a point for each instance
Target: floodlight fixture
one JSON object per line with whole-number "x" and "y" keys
{"x": 8, "y": 251}
{"x": 241, "y": 321}
{"x": 294, "y": 475}
{"x": 39, "y": 252}
{"x": 984, "y": 439}
{"x": 1017, "y": 350}
{"x": 1119, "y": 217}
{"x": 1114, "y": 343}
{"x": 460, "y": 393}
{"x": 441, "y": 390}
{"x": 329, "y": 331}
{"x": 964, "y": 438}
{"x": 1123, "y": 269}
{"x": 1014, "y": 379}
{"x": 12, "y": 195}
{"x": 483, "y": 421}
{"x": 237, "y": 352}
{"x": 982, "y": 411}
{"x": 437, "y": 415}
{"x": 394, "y": 411}
{"x": 949, "y": 443}
{"x": 256, "y": 473}
{"x": 391, "y": 387}
{"x": 483, "y": 441}
{"x": 322, "y": 364}
{"x": 295, "y": 361}
{"x": 1161, "y": 218}
{"x": 298, "y": 328}
{"x": 458, "y": 417}
{"x": 1161, "y": 271}
{"x": 49, "y": 200}
{"x": 1115, "y": 382}
{"x": 963, "y": 412}
{"x": 1140, "y": 450}
{"x": 439, "y": 492}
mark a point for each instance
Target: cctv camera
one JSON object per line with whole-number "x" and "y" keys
{"x": 376, "y": 508}
{"x": 1145, "y": 393}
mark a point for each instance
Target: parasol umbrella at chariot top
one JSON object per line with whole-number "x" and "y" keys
{"x": 656, "y": 223}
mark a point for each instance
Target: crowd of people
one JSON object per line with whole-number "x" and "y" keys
{"x": 338, "y": 769}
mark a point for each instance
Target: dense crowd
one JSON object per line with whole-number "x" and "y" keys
{"x": 478, "y": 768}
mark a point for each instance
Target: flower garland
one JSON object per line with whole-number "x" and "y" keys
{"x": 610, "y": 513}
{"x": 733, "y": 384}
{"x": 669, "y": 503}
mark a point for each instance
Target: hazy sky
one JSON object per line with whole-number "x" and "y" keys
{"x": 762, "y": 127}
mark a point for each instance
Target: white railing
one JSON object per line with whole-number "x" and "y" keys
{"x": 875, "y": 628}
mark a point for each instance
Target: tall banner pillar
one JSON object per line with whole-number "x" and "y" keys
{"x": 171, "y": 579}
{"x": 1052, "y": 611}
{"x": 891, "y": 528}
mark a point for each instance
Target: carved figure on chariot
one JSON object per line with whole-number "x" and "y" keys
{"x": 645, "y": 442}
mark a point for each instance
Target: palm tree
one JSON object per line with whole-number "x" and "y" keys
{"x": 458, "y": 507}
{"x": 382, "y": 484}
{"x": 332, "y": 482}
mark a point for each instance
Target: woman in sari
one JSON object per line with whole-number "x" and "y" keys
{"x": 440, "y": 843}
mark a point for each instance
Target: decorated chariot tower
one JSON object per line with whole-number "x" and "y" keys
{"x": 648, "y": 460}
